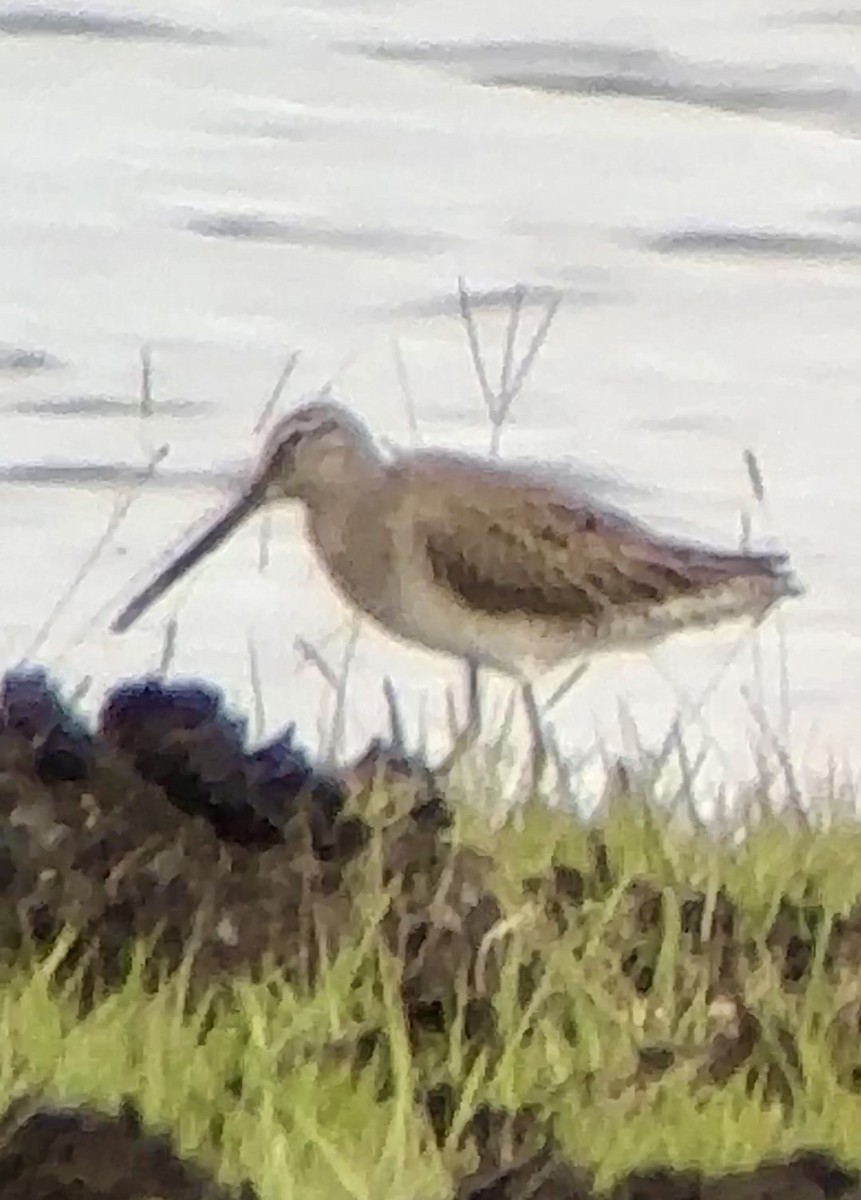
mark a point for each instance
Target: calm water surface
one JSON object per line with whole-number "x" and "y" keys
{"x": 231, "y": 183}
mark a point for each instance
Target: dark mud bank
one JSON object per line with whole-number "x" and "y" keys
{"x": 161, "y": 824}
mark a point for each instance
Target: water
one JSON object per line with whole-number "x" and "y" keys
{"x": 315, "y": 177}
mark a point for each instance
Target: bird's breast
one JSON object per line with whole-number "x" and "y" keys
{"x": 356, "y": 549}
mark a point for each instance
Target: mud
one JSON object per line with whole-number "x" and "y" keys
{"x": 83, "y": 1154}
{"x": 161, "y": 824}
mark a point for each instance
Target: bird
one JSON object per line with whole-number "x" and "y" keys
{"x": 493, "y": 563}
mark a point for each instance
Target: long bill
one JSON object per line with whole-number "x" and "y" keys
{"x": 211, "y": 538}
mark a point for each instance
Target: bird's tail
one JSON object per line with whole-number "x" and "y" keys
{"x": 768, "y": 572}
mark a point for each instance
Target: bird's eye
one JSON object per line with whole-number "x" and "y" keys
{"x": 292, "y": 440}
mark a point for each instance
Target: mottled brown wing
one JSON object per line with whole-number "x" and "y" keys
{"x": 521, "y": 551}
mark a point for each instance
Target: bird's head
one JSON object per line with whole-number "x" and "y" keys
{"x": 310, "y": 455}
{"x": 313, "y": 450}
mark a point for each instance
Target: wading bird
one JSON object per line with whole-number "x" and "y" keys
{"x": 480, "y": 560}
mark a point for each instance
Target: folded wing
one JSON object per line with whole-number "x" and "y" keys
{"x": 505, "y": 547}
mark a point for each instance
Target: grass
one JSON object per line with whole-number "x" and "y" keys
{"x": 258, "y": 1077}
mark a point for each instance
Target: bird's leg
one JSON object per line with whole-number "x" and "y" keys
{"x": 467, "y": 735}
{"x": 538, "y": 753}
{"x": 473, "y": 693}
{"x": 472, "y": 728}
{"x": 538, "y": 750}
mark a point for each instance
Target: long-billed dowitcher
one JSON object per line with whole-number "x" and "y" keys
{"x": 483, "y": 561}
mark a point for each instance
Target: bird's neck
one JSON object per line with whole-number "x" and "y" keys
{"x": 342, "y": 486}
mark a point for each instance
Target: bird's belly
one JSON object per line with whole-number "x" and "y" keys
{"x": 513, "y": 643}
{"x": 522, "y": 643}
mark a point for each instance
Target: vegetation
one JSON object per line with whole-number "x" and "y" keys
{"x": 649, "y": 992}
